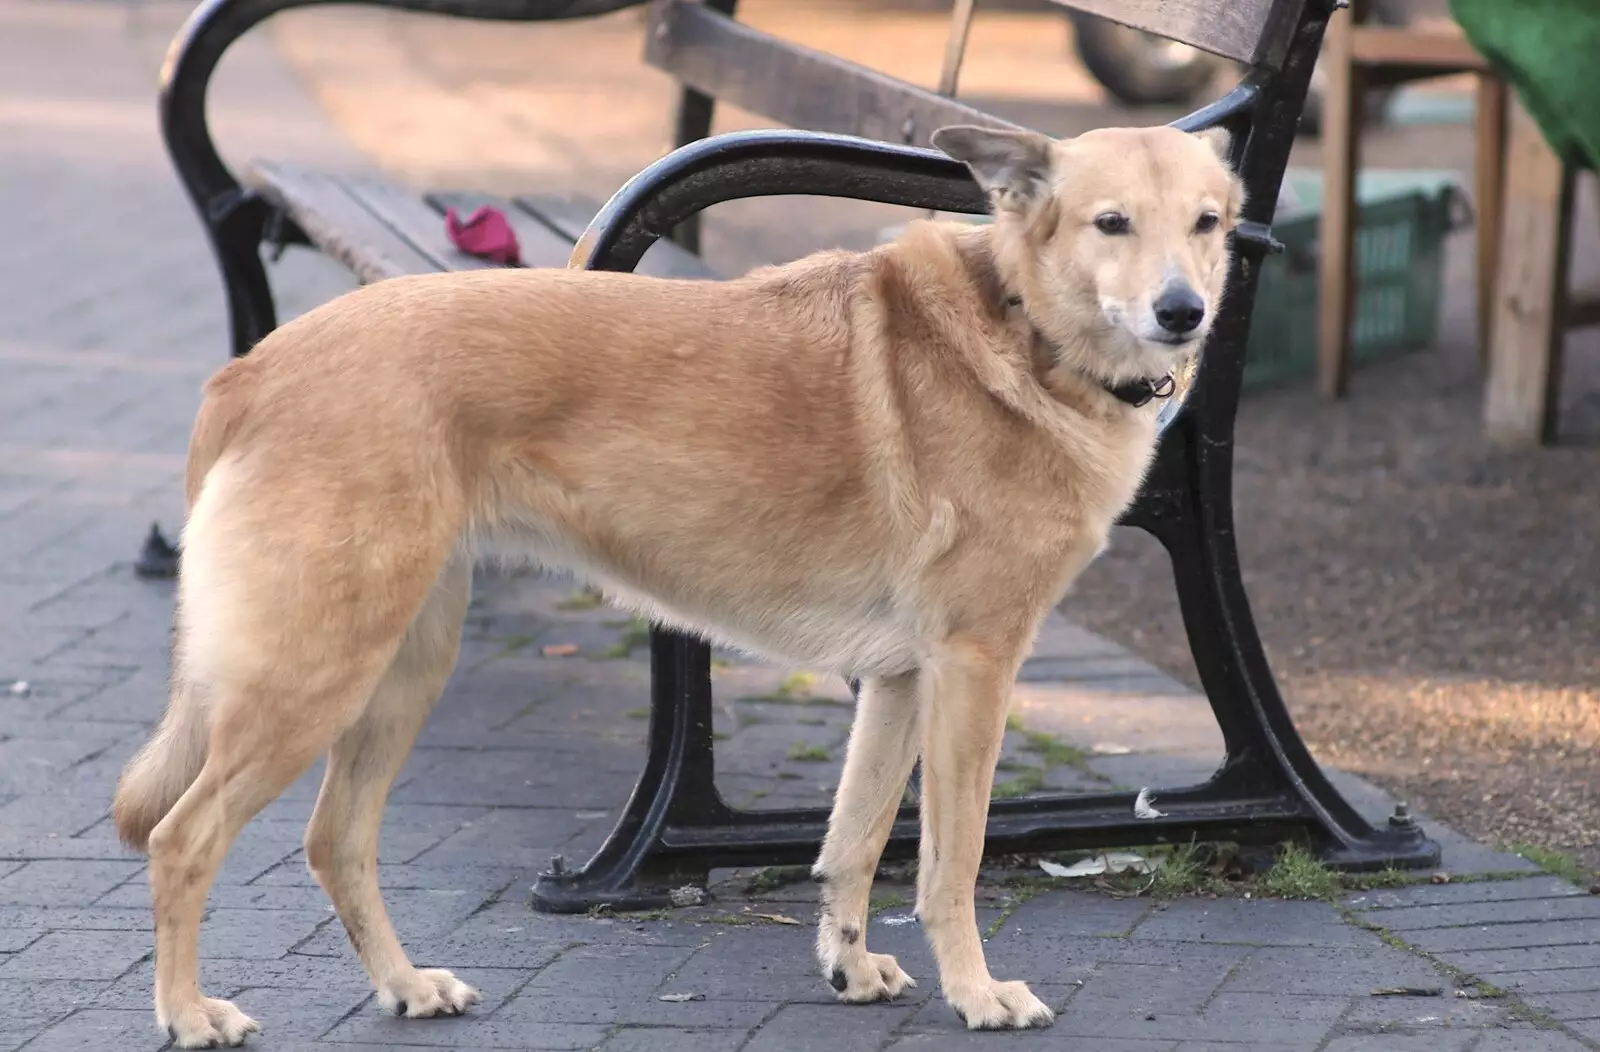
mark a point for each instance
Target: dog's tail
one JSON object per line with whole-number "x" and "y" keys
{"x": 171, "y": 760}
{"x": 161, "y": 771}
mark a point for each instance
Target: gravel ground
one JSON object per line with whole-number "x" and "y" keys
{"x": 1429, "y": 605}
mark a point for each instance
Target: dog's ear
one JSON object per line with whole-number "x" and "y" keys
{"x": 1221, "y": 142}
{"x": 1012, "y": 166}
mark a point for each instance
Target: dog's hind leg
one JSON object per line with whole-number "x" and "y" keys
{"x": 342, "y": 839}
{"x": 286, "y": 627}
{"x": 878, "y": 760}
{"x": 965, "y": 691}
{"x": 256, "y": 749}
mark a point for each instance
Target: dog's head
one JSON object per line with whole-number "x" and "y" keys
{"x": 1115, "y": 240}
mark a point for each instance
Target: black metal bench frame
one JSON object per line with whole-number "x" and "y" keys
{"x": 676, "y": 827}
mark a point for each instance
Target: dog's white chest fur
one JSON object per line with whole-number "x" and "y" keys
{"x": 852, "y": 635}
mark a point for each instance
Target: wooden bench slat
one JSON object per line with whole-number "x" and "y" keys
{"x": 795, "y": 85}
{"x": 337, "y": 223}
{"x": 570, "y": 217}
{"x": 409, "y": 216}
{"x": 1256, "y": 32}
{"x": 541, "y": 246}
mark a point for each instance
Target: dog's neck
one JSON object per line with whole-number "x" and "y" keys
{"x": 1048, "y": 357}
{"x": 1136, "y": 392}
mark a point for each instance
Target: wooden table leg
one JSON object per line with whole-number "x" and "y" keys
{"x": 1488, "y": 186}
{"x": 1342, "y": 110}
{"x": 1520, "y": 397}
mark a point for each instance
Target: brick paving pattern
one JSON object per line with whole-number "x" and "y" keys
{"x": 110, "y": 318}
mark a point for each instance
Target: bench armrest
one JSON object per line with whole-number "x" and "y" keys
{"x": 213, "y": 27}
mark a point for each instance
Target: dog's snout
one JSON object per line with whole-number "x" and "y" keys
{"x": 1179, "y": 309}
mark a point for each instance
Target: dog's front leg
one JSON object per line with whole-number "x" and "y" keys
{"x": 883, "y": 746}
{"x": 966, "y": 687}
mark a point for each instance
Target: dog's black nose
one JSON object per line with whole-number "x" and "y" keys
{"x": 1179, "y": 309}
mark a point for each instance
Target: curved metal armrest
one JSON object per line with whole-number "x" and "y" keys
{"x": 215, "y": 24}
{"x": 738, "y": 165}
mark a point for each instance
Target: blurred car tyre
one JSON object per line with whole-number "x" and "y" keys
{"x": 1138, "y": 68}
{"x": 1142, "y": 69}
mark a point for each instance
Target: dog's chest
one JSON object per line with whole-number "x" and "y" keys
{"x": 851, "y": 638}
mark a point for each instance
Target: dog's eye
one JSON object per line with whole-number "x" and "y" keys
{"x": 1112, "y": 223}
{"x": 1207, "y": 222}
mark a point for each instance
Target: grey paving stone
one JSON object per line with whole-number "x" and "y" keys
{"x": 33, "y": 813}
{"x": 653, "y": 1039}
{"x": 1046, "y": 1038}
{"x": 34, "y": 1004}
{"x": 13, "y": 940}
{"x": 537, "y": 1008}
{"x": 1295, "y": 1045}
{"x": 522, "y": 837}
{"x": 757, "y": 964}
{"x": 1240, "y": 1017}
{"x": 1528, "y": 959}
{"x": 58, "y": 883}
{"x": 1332, "y": 971}
{"x": 226, "y": 977}
{"x": 78, "y": 955}
{"x": 299, "y": 1014}
{"x": 94, "y": 1028}
{"x": 1418, "y": 918}
{"x": 1568, "y": 1006}
{"x": 602, "y": 970}
{"x": 258, "y": 934}
{"x": 95, "y": 918}
{"x": 1445, "y": 1011}
{"x": 468, "y": 1031}
{"x": 1525, "y": 1039}
{"x": 1588, "y": 1029}
{"x": 512, "y": 921}
{"x": 1401, "y": 1043}
{"x": 1508, "y": 936}
{"x": 417, "y": 916}
{"x": 1250, "y": 922}
{"x": 1143, "y": 988}
{"x": 1558, "y": 981}
{"x": 1079, "y": 913}
{"x": 828, "y": 1028}
{"x": 1539, "y": 887}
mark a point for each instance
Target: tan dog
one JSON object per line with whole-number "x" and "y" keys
{"x": 890, "y": 463}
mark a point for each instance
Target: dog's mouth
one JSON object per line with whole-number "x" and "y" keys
{"x": 1175, "y": 339}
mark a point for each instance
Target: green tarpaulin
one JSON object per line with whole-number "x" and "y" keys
{"x": 1549, "y": 51}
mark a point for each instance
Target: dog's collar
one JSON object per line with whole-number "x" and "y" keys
{"x": 1134, "y": 392}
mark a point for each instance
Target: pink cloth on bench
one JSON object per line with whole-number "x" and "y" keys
{"x": 486, "y": 233}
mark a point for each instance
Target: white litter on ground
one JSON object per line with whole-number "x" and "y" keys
{"x": 688, "y": 895}
{"x": 899, "y": 919}
{"x": 1111, "y": 862}
{"x": 1110, "y": 749}
{"x": 1142, "y": 806}
{"x": 21, "y": 687}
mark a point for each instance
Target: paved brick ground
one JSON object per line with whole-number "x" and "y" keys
{"x": 110, "y": 318}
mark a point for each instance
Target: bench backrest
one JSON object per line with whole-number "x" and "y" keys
{"x": 717, "y": 57}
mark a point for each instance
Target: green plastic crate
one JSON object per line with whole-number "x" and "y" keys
{"x": 1399, "y": 267}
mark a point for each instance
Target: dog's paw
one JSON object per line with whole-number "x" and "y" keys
{"x": 427, "y": 992}
{"x": 859, "y": 978}
{"x": 1000, "y": 1006}
{"x": 209, "y": 1023}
